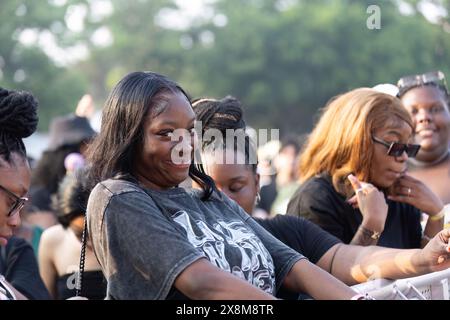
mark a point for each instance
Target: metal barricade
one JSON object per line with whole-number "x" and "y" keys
{"x": 432, "y": 286}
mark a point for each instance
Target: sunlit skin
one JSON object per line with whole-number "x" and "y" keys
{"x": 16, "y": 178}
{"x": 155, "y": 166}
{"x": 351, "y": 263}
{"x": 234, "y": 178}
{"x": 59, "y": 253}
{"x": 386, "y": 169}
{"x": 428, "y": 107}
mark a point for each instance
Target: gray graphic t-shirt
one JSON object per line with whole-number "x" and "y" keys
{"x": 144, "y": 239}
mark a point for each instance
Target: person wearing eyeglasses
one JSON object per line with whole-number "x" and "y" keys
{"x": 367, "y": 134}
{"x": 19, "y": 275}
{"x": 426, "y": 98}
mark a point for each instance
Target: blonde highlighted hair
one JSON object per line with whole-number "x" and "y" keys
{"x": 341, "y": 142}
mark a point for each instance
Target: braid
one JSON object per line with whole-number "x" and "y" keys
{"x": 18, "y": 119}
{"x": 223, "y": 115}
{"x": 220, "y": 114}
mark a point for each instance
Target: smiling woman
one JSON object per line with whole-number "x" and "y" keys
{"x": 426, "y": 99}
{"x": 155, "y": 240}
{"x": 368, "y": 134}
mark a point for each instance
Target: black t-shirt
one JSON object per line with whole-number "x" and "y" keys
{"x": 318, "y": 201}
{"x": 301, "y": 235}
{"x": 304, "y": 237}
{"x": 19, "y": 266}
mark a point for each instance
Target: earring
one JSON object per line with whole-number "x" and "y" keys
{"x": 258, "y": 197}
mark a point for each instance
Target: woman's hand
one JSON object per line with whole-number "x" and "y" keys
{"x": 436, "y": 254}
{"x": 371, "y": 203}
{"x": 414, "y": 192}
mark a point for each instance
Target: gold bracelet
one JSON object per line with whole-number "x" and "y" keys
{"x": 440, "y": 215}
{"x": 375, "y": 235}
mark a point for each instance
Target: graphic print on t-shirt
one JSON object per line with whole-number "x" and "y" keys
{"x": 233, "y": 247}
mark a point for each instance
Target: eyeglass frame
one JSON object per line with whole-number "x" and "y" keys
{"x": 391, "y": 145}
{"x": 19, "y": 202}
{"x": 433, "y": 77}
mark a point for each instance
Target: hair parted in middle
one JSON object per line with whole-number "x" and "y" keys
{"x": 134, "y": 98}
{"x": 341, "y": 142}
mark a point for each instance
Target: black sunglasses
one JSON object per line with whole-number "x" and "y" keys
{"x": 19, "y": 202}
{"x": 396, "y": 149}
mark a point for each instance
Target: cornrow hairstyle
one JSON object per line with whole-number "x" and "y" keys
{"x": 18, "y": 120}
{"x": 222, "y": 115}
{"x": 113, "y": 151}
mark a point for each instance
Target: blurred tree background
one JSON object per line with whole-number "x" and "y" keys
{"x": 282, "y": 58}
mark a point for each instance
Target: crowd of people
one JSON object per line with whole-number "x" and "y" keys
{"x": 144, "y": 210}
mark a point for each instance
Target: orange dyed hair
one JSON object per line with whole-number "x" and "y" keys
{"x": 341, "y": 143}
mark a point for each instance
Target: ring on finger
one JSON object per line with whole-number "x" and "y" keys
{"x": 364, "y": 190}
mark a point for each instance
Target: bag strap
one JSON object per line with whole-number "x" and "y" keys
{"x": 2, "y": 259}
{"x": 82, "y": 259}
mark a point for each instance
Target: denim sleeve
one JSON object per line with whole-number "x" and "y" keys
{"x": 144, "y": 250}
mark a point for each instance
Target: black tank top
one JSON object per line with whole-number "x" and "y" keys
{"x": 93, "y": 286}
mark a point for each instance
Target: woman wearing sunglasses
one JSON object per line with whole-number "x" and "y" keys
{"x": 367, "y": 134}
{"x": 426, "y": 98}
{"x": 19, "y": 275}
{"x": 238, "y": 179}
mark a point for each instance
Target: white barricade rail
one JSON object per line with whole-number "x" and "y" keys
{"x": 432, "y": 286}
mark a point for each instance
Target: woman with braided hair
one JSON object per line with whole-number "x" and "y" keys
{"x": 238, "y": 179}
{"x": 19, "y": 275}
{"x": 155, "y": 240}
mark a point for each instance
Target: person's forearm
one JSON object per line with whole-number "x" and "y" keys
{"x": 308, "y": 278}
{"x": 433, "y": 227}
{"x": 356, "y": 264}
{"x": 228, "y": 288}
{"x": 363, "y": 237}
{"x": 203, "y": 281}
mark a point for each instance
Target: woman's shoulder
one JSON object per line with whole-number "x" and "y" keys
{"x": 117, "y": 195}
{"x": 121, "y": 190}
{"x": 53, "y": 236}
{"x": 316, "y": 192}
{"x": 318, "y": 181}
{"x": 315, "y": 186}
{"x": 116, "y": 186}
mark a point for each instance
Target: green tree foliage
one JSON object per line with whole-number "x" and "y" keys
{"x": 285, "y": 64}
{"x": 283, "y": 58}
{"x": 27, "y": 67}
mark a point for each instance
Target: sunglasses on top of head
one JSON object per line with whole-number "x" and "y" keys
{"x": 435, "y": 77}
